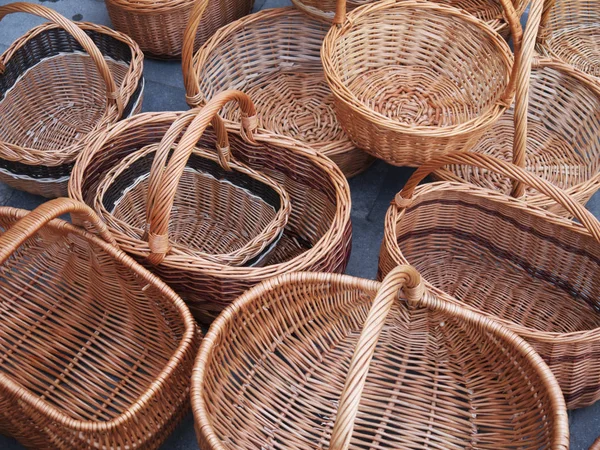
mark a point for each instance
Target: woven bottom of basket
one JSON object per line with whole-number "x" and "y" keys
{"x": 300, "y": 105}
{"x": 578, "y": 46}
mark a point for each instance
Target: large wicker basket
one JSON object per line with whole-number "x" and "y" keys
{"x": 158, "y": 25}
{"x": 97, "y": 351}
{"x": 309, "y": 360}
{"x": 556, "y": 129}
{"x": 414, "y": 79}
{"x": 487, "y": 10}
{"x": 570, "y": 31}
{"x": 58, "y": 83}
{"x": 316, "y": 237}
{"x": 273, "y": 56}
{"x": 535, "y": 272}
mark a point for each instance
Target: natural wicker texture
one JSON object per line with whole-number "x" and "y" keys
{"x": 318, "y": 232}
{"x": 273, "y": 56}
{"x": 158, "y": 26}
{"x": 423, "y": 373}
{"x": 414, "y": 79}
{"x": 553, "y": 130}
{"x": 570, "y": 31}
{"x": 535, "y": 272}
{"x": 596, "y": 445}
{"x": 96, "y": 351}
{"x": 58, "y": 83}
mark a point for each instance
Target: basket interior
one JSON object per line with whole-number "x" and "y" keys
{"x": 418, "y": 66}
{"x": 276, "y": 371}
{"x": 51, "y": 93}
{"x": 215, "y": 211}
{"x": 79, "y": 329}
{"x": 504, "y": 261}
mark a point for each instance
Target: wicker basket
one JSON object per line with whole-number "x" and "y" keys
{"x": 316, "y": 237}
{"x": 158, "y": 26}
{"x": 535, "y": 272}
{"x": 556, "y": 130}
{"x": 570, "y": 31}
{"x": 413, "y": 79}
{"x": 285, "y": 79}
{"x": 487, "y": 10}
{"x": 44, "y": 124}
{"x": 97, "y": 351}
{"x": 287, "y": 366}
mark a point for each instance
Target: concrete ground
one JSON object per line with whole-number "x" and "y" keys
{"x": 371, "y": 191}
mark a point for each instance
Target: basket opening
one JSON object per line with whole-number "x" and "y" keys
{"x": 504, "y": 262}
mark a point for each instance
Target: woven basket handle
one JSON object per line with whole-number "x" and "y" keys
{"x": 84, "y": 40}
{"x": 404, "y": 278}
{"x": 544, "y": 29}
{"x": 25, "y": 228}
{"x": 404, "y": 197}
{"x": 164, "y": 182}
{"x": 190, "y": 77}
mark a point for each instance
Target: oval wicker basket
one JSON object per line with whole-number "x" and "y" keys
{"x": 570, "y": 31}
{"x": 535, "y": 272}
{"x": 488, "y": 10}
{"x": 158, "y": 25}
{"x": 413, "y": 80}
{"x": 318, "y": 233}
{"x": 92, "y": 77}
{"x": 285, "y": 79}
{"x": 97, "y": 351}
{"x": 312, "y": 360}
{"x": 191, "y": 202}
{"x": 553, "y": 130}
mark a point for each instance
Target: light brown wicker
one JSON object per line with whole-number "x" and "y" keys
{"x": 414, "y": 79}
{"x": 317, "y": 236}
{"x": 535, "y": 272}
{"x": 273, "y": 56}
{"x": 313, "y": 360}
{"x": 570, "y": 31}
{"x": 158, "y": 25}
{"x": 96, "y": 351}
{"x": 58, "y": 83}
{"x": 596, "y": 445}
{"x": 487, "y": 10}
{"x": 556, "y": 129}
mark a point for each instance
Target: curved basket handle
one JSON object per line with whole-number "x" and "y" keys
{"x": 402, "y": 277}
{"x": 543, "y": 27}
{"x": 162, "y": 190}
{"x": 84, "y": 40}
{"x": 25, "y": 228}
{"x": 587, "y": 219}
{"x": 190, "y": 77}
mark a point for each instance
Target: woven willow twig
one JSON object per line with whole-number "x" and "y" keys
{"x": 545, "y": 284}
{"x": 413, "y": 80}
{"x": 273, "y": 56}
{"x": 556, "y": 129}
{"x": 158, "y": 26}
{"x": 97, "y": 352}
{"x": 58, "y": 83}
{"x": 313, "y": 360}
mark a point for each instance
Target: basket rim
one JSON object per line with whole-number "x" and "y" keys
{"x": 339, "y": 227}
{"x": 127, "y": 89}
{"x": 151, "y": 6}
{"x": 395, "y": 215}
{"x": 345, "y": 95}
{"x": 216, "y": 337}
{"x": 160, "y": 381}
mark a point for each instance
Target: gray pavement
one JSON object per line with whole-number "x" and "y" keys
{"x": 371, "y": 191}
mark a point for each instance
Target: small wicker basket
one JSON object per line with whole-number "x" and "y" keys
{"x": 285, "y": 79}
{"x": 535, "y": 272}
{"x": 413, "y": 80}
{"x": 312, "y": 360}
{"x": 97, "y": 351}
{"x": 555, "y": 125}
{"x": 92, "y": 77}
{"x": 158, "y": 25}
{"x": 318, "y": 231}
